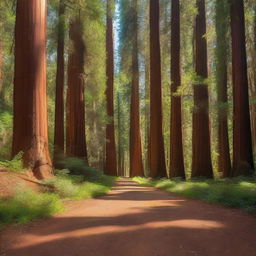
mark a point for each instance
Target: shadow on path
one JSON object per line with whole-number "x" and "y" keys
{"x": 138, "y": 221}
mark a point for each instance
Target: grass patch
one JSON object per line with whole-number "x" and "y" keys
{"x": 74, "y": 187}
{"x": 236, "y": 193}
{"x": 27, "y": 205}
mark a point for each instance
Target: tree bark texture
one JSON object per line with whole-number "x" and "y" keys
{"x": 120, "y": 146}
{"x": 30, "y": 132}
{"x": 242, "y": 143}
{"x": 201, "y": 159}
{"x": 136, "y": 162}
{"x": 111, "y": 159}
{"x": 253, "y": 87}
{"x": 156, "y": 143}
{"x": 176, "y": 147}
{"x": 76, "y": 139}
{"x": 224, "y": 161}
{"x": 59, "y": 143}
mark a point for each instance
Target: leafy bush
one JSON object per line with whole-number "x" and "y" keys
{"x": 77, "y": 181}
{"x": 27, "y": 205}
{"x": 16, "y": 164}
{"x": 62, "y": 186}
{"x": 79, "y": 167}
{"x": 6, "y": 120}
{"x": 73, "y": 186}
{"x": 238, "y": 192}
{"x": 75, "y": 165}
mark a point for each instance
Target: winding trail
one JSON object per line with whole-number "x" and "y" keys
{"x": 136, "y": 221}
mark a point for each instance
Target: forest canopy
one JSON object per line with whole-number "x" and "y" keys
{"x": 153, "y": 88}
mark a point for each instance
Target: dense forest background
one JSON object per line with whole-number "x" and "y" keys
{"x": 94, "y": 28}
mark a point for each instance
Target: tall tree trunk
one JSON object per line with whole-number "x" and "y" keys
{"x": 119, "y": 144}
{"x": 201, "y": 159}
{"x": 242, "y": 144}
{"x": 120, "y": 141}
{"x": 76, "y": 140}
{"x": 147, "y": 115}
{"x": 136, "y": 162}
{"x": 156, "y": 143}
{"x": 176, "y": 147}
{"x": 252, "y": 84}
{"x": 111, "y": 162}
{"x": 30, "y": 132}
{"x": 146, "y": 63}
{"x": 59, "y": 102}
{"x": 224, "y": 162}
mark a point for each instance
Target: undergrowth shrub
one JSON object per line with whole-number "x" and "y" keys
{"x": 62, "y": 186}
{"x": 79, "y": 167}
{"x": 16, "y": 164}
{"x": 239, "y": 192}
{"x": 74, "y": 186}
{"x": 75, "y": 182}
{"x": 6, "y": 121}
{"x": 27, "y": 205}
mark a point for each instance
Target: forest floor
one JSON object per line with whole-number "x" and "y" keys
{"x": 10, "y": 180}
{"x": 133, "y": 220}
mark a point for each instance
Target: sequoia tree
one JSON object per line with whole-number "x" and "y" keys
{"x": 136, "y": 162}
{"x": 242, "y": 144}
{"x": 252, "y": 83}
{"x": 121, "y": 162}
{"x": 176, "y": 147}
{"x": 76, "y": 140}
{"x": 59, "y": 101}
{"x": 201, "y": 158}
{"x": 30, "y": 132}
{"x": 224, "y": 162}
{"x": 156, "y": 144}
{"x": 111, "y": 162}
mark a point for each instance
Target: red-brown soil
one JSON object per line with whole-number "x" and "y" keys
{"x": 136, "y": 221}
{"x": 10, "y": 181}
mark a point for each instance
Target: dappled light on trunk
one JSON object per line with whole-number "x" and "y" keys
{"x": 30, "y": 130}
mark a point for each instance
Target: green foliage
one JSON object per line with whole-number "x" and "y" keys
{"x": 27, "y": 205}
{"x": 5, "y": 132}
{"x": 74, "y": 186}
{"x": 62, "y": 186}
{"x": 95, "y": 69}
{"x": 75, "y": 165}
{"x": 80, "y": 167}
{"x": 16, "y": 164}
{"x": 237, "y": 192}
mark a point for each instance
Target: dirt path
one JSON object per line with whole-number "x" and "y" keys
{"x": 137, "y": 221}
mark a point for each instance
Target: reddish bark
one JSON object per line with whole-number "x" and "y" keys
{"x": 224, "y": 161}
{"x": 136, "y": 162}
{"x": 242, "y": 143}
{"x": 176, "y": 147}
{"x": 252, "y": 86}
{"x": 76, "y": 140}
{"x": 111, "y": 162}
{"x": 30, "y": 132}
{"x": 156, "y": 143}
{"x": 120, "y": 146}
{"x": 147, "y": 116}
{"x": 201, "y": 159}
{"x": 59, "y": 101}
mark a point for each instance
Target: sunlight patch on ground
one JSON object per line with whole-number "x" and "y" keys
{"x": 100, "y": 230}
